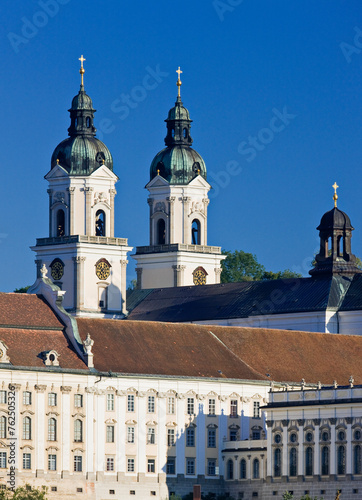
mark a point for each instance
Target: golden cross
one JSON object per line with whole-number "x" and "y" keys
{"x": 335, "y": 196}
{"x": 81, "y": 71}
{"x": 179, "y": 83}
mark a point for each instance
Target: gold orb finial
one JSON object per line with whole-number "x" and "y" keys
{"x": 57, "y": 161}
{"x": 179, "y": 83}
{"x": 158, "y": 171}
{"x": 82, "y": 70}
{"x": 335, "y": 196}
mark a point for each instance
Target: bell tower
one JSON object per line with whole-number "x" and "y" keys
{"x": 81, "y": 253}
{"x": 178, "y": 253}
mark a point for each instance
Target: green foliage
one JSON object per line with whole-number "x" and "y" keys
{"x": 242, "y": 266}
{"x": 26, "y": 492}
{"x": 175, "y": 497}
{"x": 133, "y": 286}
{"x": 23, "y": 289}
{"x": 288, "y": 496}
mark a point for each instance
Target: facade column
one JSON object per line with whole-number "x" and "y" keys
{"x": 205, "y": 201}
{"x": 41, "y": 429}
{"x": 223, "y": 430}
{"x": 38, "y": 263}
{"x": 88, "y": 215}
{"x": 112, "y": 194}
{"x": 50, "y": 193}
{"x": 141, "y": 436}
{"x": 186, "y": 236}
{"x": 161, "y": 439}
{"x": 178, "y": 276}
{"x": 300, "y": 471}
{"x": 139, "y": 278}
{"x": 218, "y": 272}
{"x": 332, "y": 454}
{"x": 71, "y": 210}
{"x": 120, "y": 434}
{"x": 66, "y": 438}
{"x": 317, "y": 460}
{"x": 171, "y": 220}
{"x": 285, "y": 424}
{"x": 89, "y": 432}
{"x": 152, "y": 236}
{"x": 123, "y": 285}
{"x": 100, "y": 410}
{"x": 269, "y": 465}
{"x": 262, "y": 467}
{"x": 78, "y": 282}
{"x": 349, "y": 456}
{"x": 180, "y": 437}
{"x": 17, "y": 425}
{"x": 248, "y": 468}
{"x": 200, "y": 439}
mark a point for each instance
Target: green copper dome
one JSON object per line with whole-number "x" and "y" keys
{"x": 178, "y": 163}
{"x": 82, "y": 153}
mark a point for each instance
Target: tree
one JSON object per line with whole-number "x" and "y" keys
{"x": 26, "y": 492}
{"x": 242, "y": 266}
{"x": 23, "y": 289}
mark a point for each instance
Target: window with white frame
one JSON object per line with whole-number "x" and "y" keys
{"x": 3, "y": 461}
{"x": 130, "y": 465}
{"x": 27, "y": 461}
{"x": 190, "y": 466}
{"x": 78, "y": 400}
{"x": 78, "y": 431}
{"x": 211, "y": 438}
{"x": 2, "y": 397}
{"x": 110, "y": 464}
{"x": 256, "y": 409}
{"x": 130, "y": 434}
{"x": 190, "y": 436}
{"x": 52, "y": 399}
{"x": 110, "y": 433}
{"x": 2, "y": 427}
{"x": 78, "y": 463}
{"x": 130, "y": 402}
{"x": 170, "y": 437}
{"x": 234, "y": 408}
{"x": 211, "y": 467}
{"x": 171, "y": 405}
{"x": 212, "y": 406}
{"x": 151, "y": 435}
{"x": 52, "y": 462}
{"x": 26, "y": 428}
{"x": 151, "y": 404}
{"x": 26, "y": 398}
{"x": 110, "y": 402}
{"x": 190, "y": 406}
{"x": 151, "y": 465}
{"x": 52, "y": 429}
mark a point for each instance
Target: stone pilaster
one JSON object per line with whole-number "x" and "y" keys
{"x": 178, "y": 277}
{"x": 71, "y": 209}
{"x": 186, "y": 237}
{"x": 206, "y": 202}
{"x": 171, "y": 220}
{"x": 218, "y": 272}
{"x": 123, "y": 285}
{"x": 139, "y": 278}
{"x": 88, "y": 215}
{"x": 50, "y": 193}
{"x": 38, "y": 267}
{"x": 78, "y": 282}
{"x": 112, "y": 194}
{"x": 152, "y": 236}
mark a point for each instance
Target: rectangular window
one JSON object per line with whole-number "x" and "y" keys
{"x": 190, "y": 466}
{"x": 211, "y": 467}
{"x": 130, "y": 402}
{"x": 78, "y": 400}
{"x": 211, "y": 438}
{"x": 170, "y": 437}
{"x": 256, "y": 434}
{"x": 151, "y": 404}
{"x": 234, "y": 408}
{"x": 190, "y": 406}
{"x": 26, "y": 428}
{"x": 151, "y": 435}
{"x": 52, "y": 429}
{"x": 256, "y": 412}
{"x": 110, "y": 402}
{"x": 151, "y": 465}
{"x": 2, "y": 427}
{"x": 233, "y": 434}
{"x": 171, "y": 405}
{"x": 26, "y": 461}
{"x": 130, "y": 434}
{"x": 2, "y": 397}
{"x": 3, "y": 463}
{"x": 78, "y": 463}
{"x": 110, "y": 464}
{"x": 190, "y": 436}
{"x": 52, "y": 399}
{"x": 52, "y": 462}
{"x": 27, "y": 398}
{"x": 171, "y": 465}
{"x": 110, "y": 434}
{"x": 130, "y": 465}
{"x": 212, "y": 407}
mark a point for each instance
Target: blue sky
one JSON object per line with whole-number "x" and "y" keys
{"x": 273, "y": 88}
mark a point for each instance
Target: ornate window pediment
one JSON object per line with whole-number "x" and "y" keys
{"x": 111, "y": 421}
{"x": 131, "y": 422}
{"x": 257, "y": 396}
{"x": 151, "y": 423}
{"x": 51, "y": 358}
{"x": 212, "y": 426}
{"x": 78, "y": 415}
{"x": 171, "y": 424}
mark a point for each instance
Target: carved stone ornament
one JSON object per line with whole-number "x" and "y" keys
{"x": 269, "y": 423}
{"x": 90, "y": 390}
{"x": 349, "y": 420}
{"x": 100, "y": 198}
{"x": 316, "y": 421}
{"x": 159, "y": 207}
{"x": 88, "y": 344}
{"x": 285, "y": 423}
{"x": 333, "y": 421}
{"x": 65, "y": 388}
{"x": 40, "y": 388}
{"x": 51, "y": 358}
{"x": 197, "y": 206}
{"x": 59, "y": 197}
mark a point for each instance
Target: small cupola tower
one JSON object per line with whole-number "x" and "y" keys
{"x": 335, "y": 254}
{"x": 84, "y": 257}
{"x": 178, "y": 253}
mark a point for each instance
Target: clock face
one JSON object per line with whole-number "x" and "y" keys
{"x": 102, "y": 270}
{"x": 57, "y": 270}
{"x": 199, "y": 277}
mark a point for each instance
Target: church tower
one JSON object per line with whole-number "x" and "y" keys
{"x": 81, "y": 253}
{"x": 178, "y": 253}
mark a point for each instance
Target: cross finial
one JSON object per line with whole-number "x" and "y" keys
{"x": 335, "y": 196}
{"x": 179, "y": 83}
{"x": 81, "y": 71}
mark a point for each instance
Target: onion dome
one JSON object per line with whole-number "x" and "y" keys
{"x": 178, "y": 163}
{"x": 81, "y": 153}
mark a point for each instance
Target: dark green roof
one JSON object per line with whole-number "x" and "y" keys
{"x": 178, "y": 165}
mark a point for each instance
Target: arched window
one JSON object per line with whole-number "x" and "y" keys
{"x": 341, "y": 460}
{"x": 293, "y": 462}
{"x": 309, "y": 461}
{"x": 230, "y": 469}
{"x": 195, "y": 232}
{"x": 243, "y": 469}
{"x": 185, "y": 133}
{"x": 325, "y": 461}
{"x": 88, "y": 122}
{"x": 52, "y": 429}
{"x": 76, "y": 122}
{"x": 277, "y": 462}
{"x": 357, "y": 465}
{"x": 256, "y": 468}
{"x": 78, "y": 431}
{"x": 100, "y": 223}
{"x": 161, "y": 232}
{"x": 60, "y": 223}
{"x": 173, "y": 132}
{"x": 3, "y": 427}
{"x": 27, "y": 428}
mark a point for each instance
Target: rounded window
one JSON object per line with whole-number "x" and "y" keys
{"x": 185, "y": 133}
{"x": 277, "y": 438}
{"x": 293, "y": 438}
{"x": 88, "y": 122}
{"x": 341, "y": 435}
{"x": 357, "y": 435}
{"x": 325, "y": 436}
{"x": 309, "y": 437}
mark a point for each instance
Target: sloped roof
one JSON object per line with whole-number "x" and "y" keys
{"x": 28, "y": 311}
{"x": 240, "y": 300}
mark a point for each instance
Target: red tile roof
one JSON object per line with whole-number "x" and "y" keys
{"x": 21, "y": 309}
